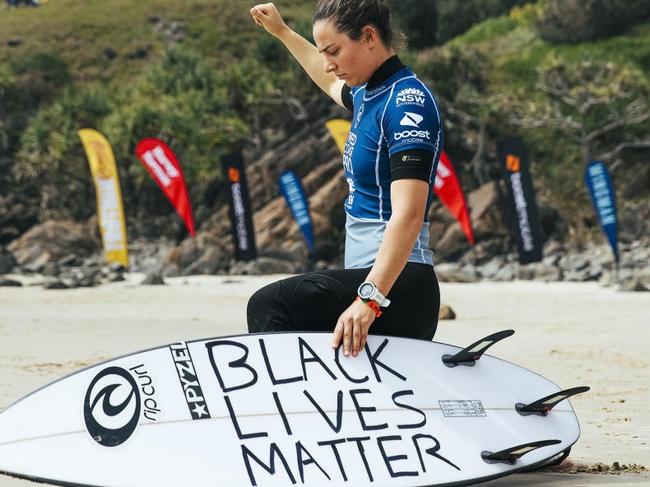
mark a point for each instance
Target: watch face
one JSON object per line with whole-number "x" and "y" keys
{"x": 366, "y": 289}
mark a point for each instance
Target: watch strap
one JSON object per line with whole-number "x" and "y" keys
{"x": 373, "y": 305}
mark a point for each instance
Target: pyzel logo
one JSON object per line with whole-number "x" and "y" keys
{"x": 112, "y": 407}
{"x": 410, "y": 96}
{"x": 189, "y": 381}
{"x": 413, "y": 134}
{"x": 411, "y": 120}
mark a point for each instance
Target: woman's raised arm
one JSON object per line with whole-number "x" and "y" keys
{"x": 266, "y": 15}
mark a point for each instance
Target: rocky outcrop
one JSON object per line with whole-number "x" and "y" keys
{"x": 490, "y": 230}
{"x": 16, "y": 217}
{"x": 7, "y": 261}
{"x": 53, "y": 243}
{"x": 309, "y": 151}
{"x": 573, "y": 264}
{"x": 4, "y": 282}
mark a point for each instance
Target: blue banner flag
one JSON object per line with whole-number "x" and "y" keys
{"x": 604, "y": 200}
{"x": 294, "y": 193}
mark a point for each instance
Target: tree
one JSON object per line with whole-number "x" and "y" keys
{"x": 572, "y": 21}
{"x": 455, "y": 17}
{"x": 418, "y": 20}
{"x": 601, "y": 106}
{"x": 462, "y": 89}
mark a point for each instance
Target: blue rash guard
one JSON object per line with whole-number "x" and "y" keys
{"x": 396, "y": 133}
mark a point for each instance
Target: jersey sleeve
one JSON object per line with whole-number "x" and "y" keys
{"x": 412, "y": 121}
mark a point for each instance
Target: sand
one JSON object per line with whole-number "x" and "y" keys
{"x": 573, "y": 333}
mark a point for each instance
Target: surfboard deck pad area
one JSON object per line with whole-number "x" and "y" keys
{"x": 283, "y": 409}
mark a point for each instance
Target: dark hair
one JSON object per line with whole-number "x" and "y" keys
{"x": 351, "y": 16}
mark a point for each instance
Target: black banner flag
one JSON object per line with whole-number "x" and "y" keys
{"x": 524, "y": 216}
{"x": 241, "y": 215}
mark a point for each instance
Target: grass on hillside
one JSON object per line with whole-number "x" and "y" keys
{"x": 80, "y": 31}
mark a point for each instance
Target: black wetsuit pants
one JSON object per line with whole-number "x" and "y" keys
{"x": 314, "y": 302}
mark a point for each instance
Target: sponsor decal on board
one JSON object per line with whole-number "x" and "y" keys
{"x": 189, "y": 380}
{"x": 112, "y": 406}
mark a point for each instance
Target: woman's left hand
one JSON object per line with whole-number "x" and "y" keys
{"x": 352, "y": 328}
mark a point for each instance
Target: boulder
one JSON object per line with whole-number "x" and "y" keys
{"x": 17, "y": 215}
{"x": 539, "y": 271}
{"x": 487, "y": 222}
{"x": 4, "y": 282}
{"x": 506, "y": 273}
{"x": 492, "y": 268}
{"x": 207, "y": 253}
{"x": 452, "y": 272}
{"x": 55, "y": 284}
{"x": 635, "y": 285}
{"x": 110, "y": 53}
{"x": 446, "y": 313}
{"x": 51, "y": 241}
{"x": 262, "y": 266}
{"x": 7, "y": 261}
{"x": 153, "y": 279}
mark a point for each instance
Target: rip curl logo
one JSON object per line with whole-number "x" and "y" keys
{"x": 410, "y": 96}
{"x": 112, "y": 407}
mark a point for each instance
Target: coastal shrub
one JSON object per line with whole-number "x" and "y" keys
{"x": 417, "y": 20}
{"x": 456, "y": 17}
{"x": 573, "y": 21}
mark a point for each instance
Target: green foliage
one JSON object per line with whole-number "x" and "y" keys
{"x": 454, "y": 67}
{"x": 47, "y": 66}
{"x": 417, "y": 19}
{"x": 270, "y": 51}
{"x": 51, "y": 155}
{"x": 7, "y": 79}
{"x": 489, "y": 29}
{"x": 456, "y": 17}
{"x": 179, "y": 72}
{"x": 572, "y": 21}
{"x": 227, "y": 80}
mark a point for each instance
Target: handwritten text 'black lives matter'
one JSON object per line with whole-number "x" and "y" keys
{"x": 403, "y": 455}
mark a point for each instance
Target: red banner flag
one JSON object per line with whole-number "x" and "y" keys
{"x": 447, "y": 187}
{"x": 159, "y": 160}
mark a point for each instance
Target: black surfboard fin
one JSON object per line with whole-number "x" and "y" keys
{"x": 542, "y": 406}
{"x": 511, "y": 455}
{"x": 551, "y": 462}
{"x": 469, "y": 355}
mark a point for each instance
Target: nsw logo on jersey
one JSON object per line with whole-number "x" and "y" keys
{"x": 411, "y": 120}
{"x": 410, "y": 96}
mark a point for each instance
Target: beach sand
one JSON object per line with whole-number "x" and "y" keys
{"x": 573, "y": 333}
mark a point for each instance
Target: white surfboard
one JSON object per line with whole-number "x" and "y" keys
{"x": 285, "y": 409}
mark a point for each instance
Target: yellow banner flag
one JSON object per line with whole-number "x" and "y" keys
{"x": 109, "y": 197}
{"x": 339, "y": 129}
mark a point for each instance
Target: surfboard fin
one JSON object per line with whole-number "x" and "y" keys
{"x": 469, "y": 356}
{"x": 551, "y": 462}
{"x": 511, "y": 455}
{"x": 542, "y": 406}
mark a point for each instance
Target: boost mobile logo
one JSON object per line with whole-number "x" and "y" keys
{"x": 112, "y": 407}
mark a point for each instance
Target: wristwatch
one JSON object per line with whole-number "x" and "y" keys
{"x": 368, "y": 292}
